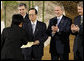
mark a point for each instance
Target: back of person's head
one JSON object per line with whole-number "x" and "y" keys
{"x": 22, "y": 4}
{"x": 17, "y": 19}
{"x": 33, "y": 9}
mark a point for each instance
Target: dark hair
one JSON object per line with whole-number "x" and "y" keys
{"x": 22, "y": 4}
{"x": 17, "y": 19}
{"x": 33, "y": 9}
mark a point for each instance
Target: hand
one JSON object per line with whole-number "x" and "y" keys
{"x": 77, "y": 28}
{"x": 54, "y": 29}
{"x": 74, "y": 28}
{"x": 36, "y": 42}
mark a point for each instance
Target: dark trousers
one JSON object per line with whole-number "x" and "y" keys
{"x": 77, "y": 56}
{"x": 30, "y": 54}
{"x": 32, "y": 58}
{"x": 61, "y": 56}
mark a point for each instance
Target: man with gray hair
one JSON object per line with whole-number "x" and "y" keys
{"x": 59, "y": 30}
{"x": 77, "y": 30}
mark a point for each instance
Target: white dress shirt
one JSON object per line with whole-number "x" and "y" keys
{"x": 24, "y": 16}
{"x": 34, "y": 25}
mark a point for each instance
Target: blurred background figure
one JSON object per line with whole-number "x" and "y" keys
{"x": 22, "y": 9}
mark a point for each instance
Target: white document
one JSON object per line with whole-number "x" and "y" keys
{"x": 29, "y": 44}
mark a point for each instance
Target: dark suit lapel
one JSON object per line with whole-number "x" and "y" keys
{"x": 79, "y": 20}
{"x": 61, "y": 22}
{"x": 30, "y": 28}
{"x": 27, "y": 18}
{"x": 36, "y": 30}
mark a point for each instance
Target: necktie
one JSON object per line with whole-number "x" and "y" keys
{"x": 81, "y": 20}
{"x": 58, "y": 21}
{"x": 33, "y": 27}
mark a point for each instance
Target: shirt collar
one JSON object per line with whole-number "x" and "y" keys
{"x": 60, "y": 17}
{"x": 24, "y": 16}
{"x": 81, "y": 16}
{"x": 34, "y": 22}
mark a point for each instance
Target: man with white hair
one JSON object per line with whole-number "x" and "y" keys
{"x": 59, "y": 30}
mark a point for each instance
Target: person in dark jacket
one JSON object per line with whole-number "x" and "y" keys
{"x": 36, "y": 33}
{"x": 22, "y": 9}
{"x": 77, "y": 30}
{"x": 12, "y": 38}
{"x": 59, "y": 30}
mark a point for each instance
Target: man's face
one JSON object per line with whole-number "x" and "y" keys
{"x": 22, "y": 10}
{"x": 80, "y": 10}
{"x": 32, "y": 15}
{"x": 58, "y": 11}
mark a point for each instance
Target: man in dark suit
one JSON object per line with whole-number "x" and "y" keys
{"x": 59, "y": 30}
{"x": 36, "y": 32}
{"x": 77, "y": 30}
{"x": 22, "y": 8}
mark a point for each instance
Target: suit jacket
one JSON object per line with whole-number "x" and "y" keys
{"x": 39, "y": 34}
{"x": 12, "y": 39}
{"x": 60, "y": 41}
{"x": 78, "y": 42}
{"x": 26, "y": 19}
